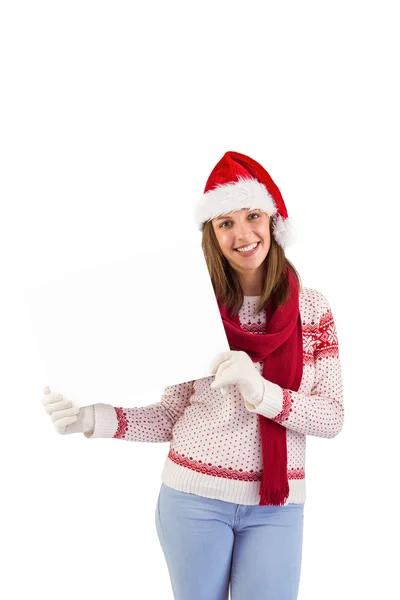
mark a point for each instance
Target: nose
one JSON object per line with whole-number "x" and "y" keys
{"x": 243, "y": 230}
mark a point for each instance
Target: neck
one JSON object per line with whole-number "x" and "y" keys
{"x": 251, "y": 284}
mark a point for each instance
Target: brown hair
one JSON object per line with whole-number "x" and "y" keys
{"x": 225, "y": 280}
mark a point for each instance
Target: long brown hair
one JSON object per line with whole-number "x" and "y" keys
{"x": 225, "y": 280}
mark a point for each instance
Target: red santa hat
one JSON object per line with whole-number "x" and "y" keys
{"x": 237, "y": 181}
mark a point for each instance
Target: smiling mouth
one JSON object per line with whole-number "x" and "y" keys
{"x": 249, "y": 251}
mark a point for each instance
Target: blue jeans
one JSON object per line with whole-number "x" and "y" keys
{"x": 211, "y": 544}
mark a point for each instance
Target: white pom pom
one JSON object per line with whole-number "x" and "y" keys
{"x": 284, "y": 231}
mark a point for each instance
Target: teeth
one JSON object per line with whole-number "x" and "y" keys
{"x": 248, "y": 248}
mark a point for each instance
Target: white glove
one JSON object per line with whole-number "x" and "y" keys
{"x": 236, "y": 367}
{"x": 66, "y": 417}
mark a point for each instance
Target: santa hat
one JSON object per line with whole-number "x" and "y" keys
{"x": 237, "y": 181}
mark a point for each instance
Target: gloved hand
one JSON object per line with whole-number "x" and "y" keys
{"x": 236, "y": 367}
{"x": 66, "y": 417}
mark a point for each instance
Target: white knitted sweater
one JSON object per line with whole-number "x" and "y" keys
{"x": 215, "y": 442}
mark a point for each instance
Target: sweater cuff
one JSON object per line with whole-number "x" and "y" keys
{"x": 88, "y": 419}
{"x": 105, "y": 422}
{"x": 271, "y": 403}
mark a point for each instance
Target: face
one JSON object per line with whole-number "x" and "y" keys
{"x": 239, "y": 229}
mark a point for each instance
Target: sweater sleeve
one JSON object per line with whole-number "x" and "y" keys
{"x": 152, "y": 423}
{"x": 321, "y": 413}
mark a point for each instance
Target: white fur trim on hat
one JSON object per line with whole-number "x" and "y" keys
{"x": 245, "y": 193}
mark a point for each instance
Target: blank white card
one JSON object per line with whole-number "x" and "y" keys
{"x": 121, "y": 332}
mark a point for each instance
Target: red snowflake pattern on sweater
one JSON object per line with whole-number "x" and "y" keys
{"x": 310, "y": 337}
{"x": 327, "y": 336}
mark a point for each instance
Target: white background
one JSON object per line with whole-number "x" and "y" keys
{"x": 112, "y": 116}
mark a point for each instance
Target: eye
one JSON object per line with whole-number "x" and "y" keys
{"x": 251, "y": 215}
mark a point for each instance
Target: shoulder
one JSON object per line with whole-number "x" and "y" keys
{"x": 314, "y": 306}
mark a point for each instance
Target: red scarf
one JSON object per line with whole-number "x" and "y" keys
{"x": 281, "y": 348}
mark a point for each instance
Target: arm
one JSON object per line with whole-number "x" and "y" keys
{"x": 153, "y": 423}
{"x": 321, "y": 413}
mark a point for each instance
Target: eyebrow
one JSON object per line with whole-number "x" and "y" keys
{"x": 226, "y": 217}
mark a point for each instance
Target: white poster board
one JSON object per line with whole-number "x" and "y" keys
{"x": 121, "y": 332}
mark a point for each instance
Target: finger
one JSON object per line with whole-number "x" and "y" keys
{"x": 49, "y": 398}
{"x": 58, "y": 415}
{"x": 223, "y": 367}
{"x": 221, "y": 373}
{"x": 217, "y": 360}
{"x": 225, "y": 379}
{"x": 52, "y": 399}
{"x": 62, "y": 424}
{"x": 60, "y": 405}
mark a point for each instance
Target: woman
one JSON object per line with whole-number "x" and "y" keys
{"x": 231, "y": 505}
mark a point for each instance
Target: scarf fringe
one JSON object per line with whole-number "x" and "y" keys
{"x": 273, "y": 496}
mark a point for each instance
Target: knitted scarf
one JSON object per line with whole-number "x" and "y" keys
{"x": 281, "y": 348}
